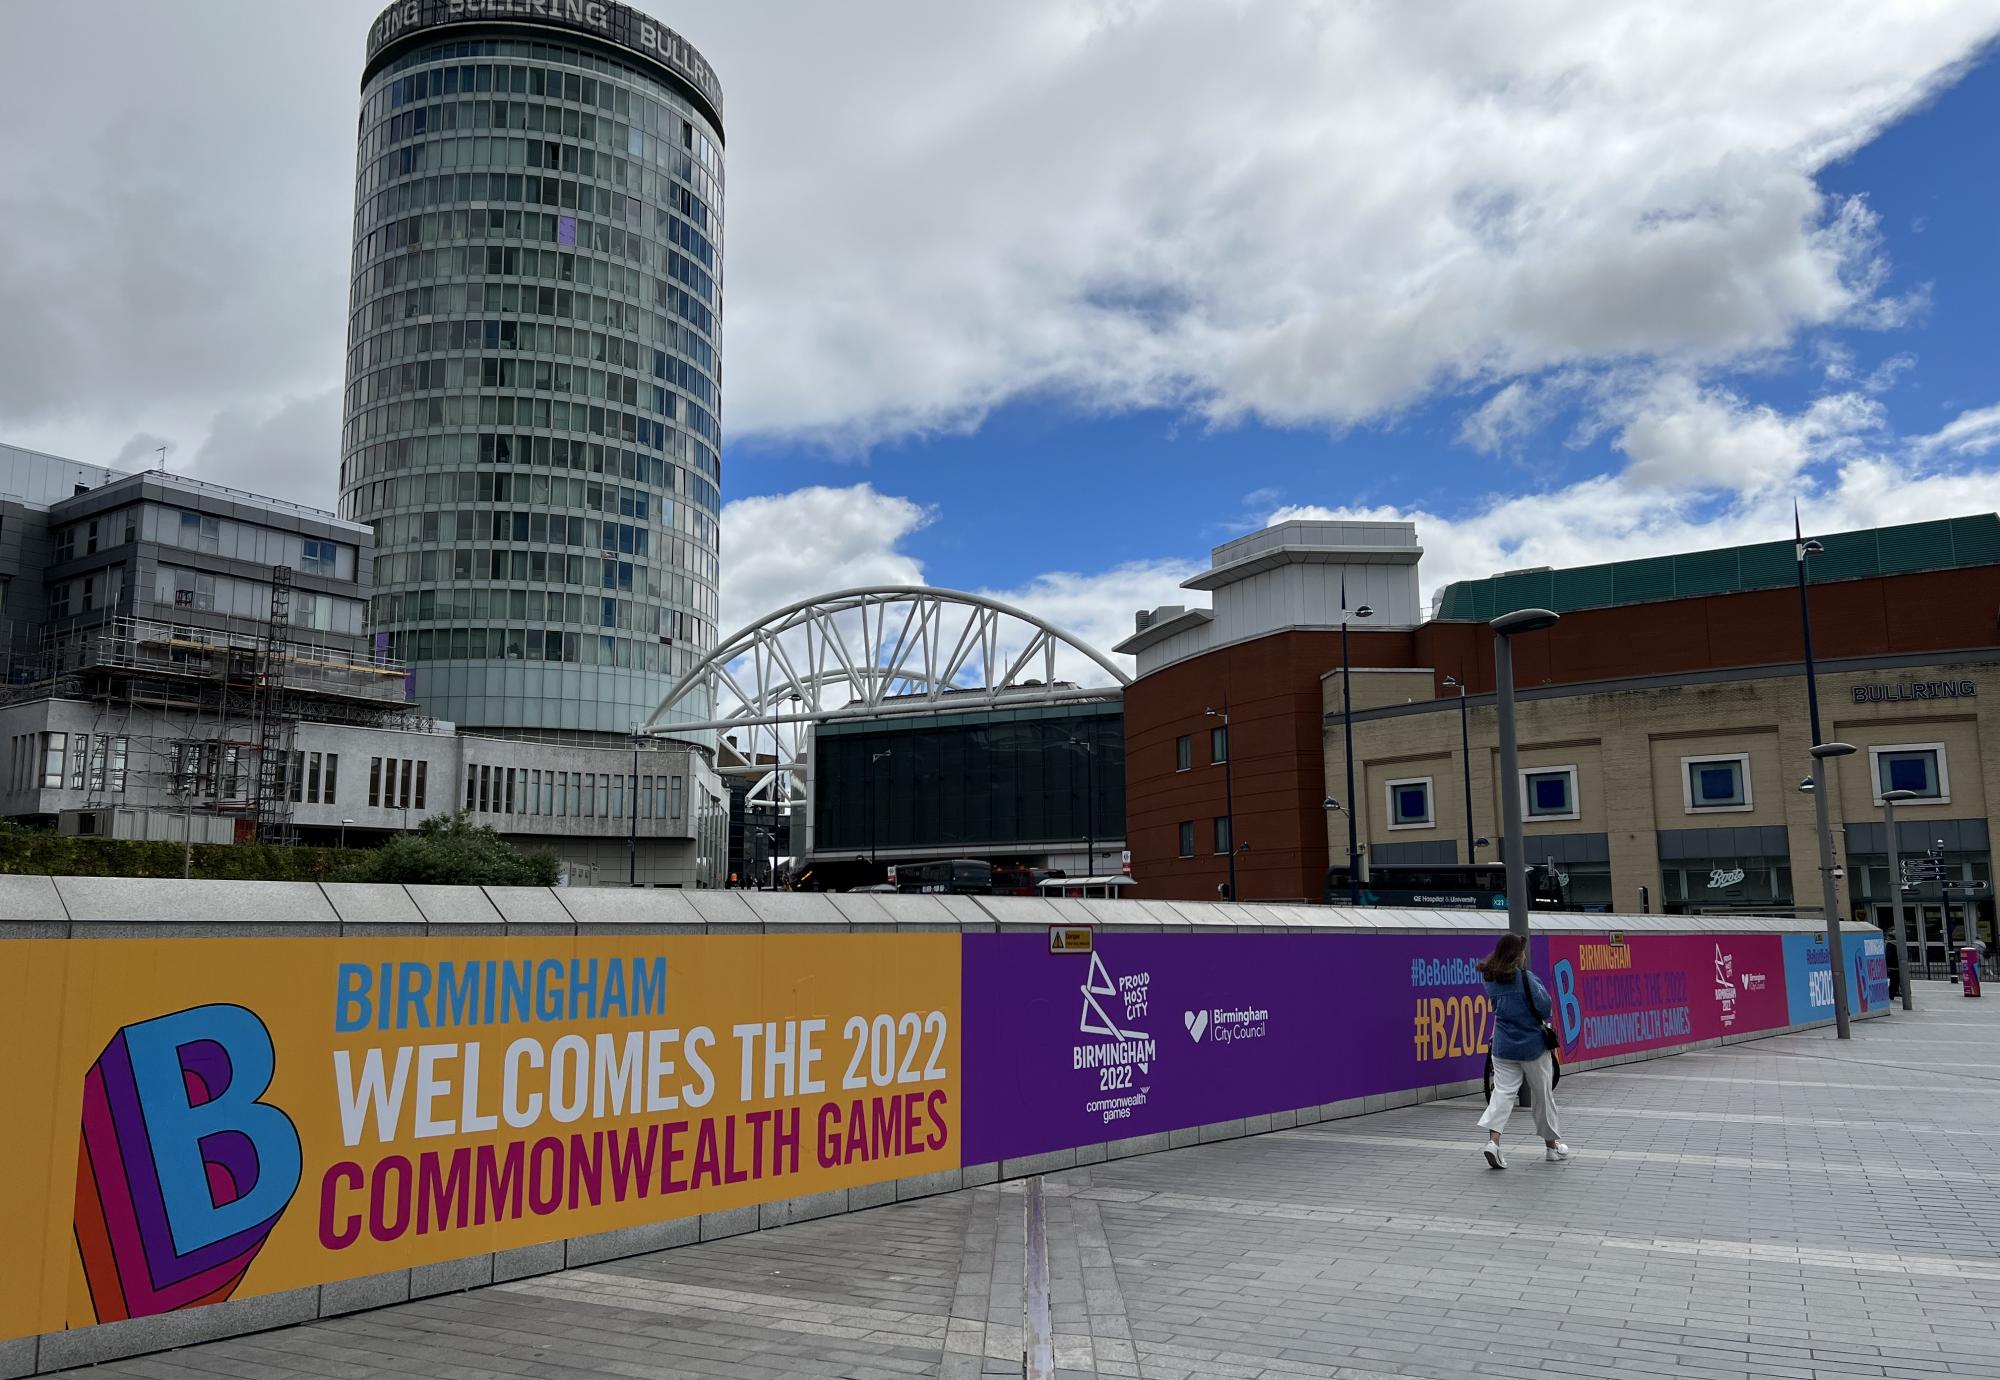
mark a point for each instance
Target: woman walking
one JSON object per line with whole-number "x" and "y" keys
{"x": 1522, "y": 1048}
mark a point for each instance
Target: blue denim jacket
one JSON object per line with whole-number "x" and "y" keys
{"x": 1517, "y": 1030}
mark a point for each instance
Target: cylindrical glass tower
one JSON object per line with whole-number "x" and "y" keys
{"x": 534, "y": 362}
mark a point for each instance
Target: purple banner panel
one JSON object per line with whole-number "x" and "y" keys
{"x": 1154, "y": 1032}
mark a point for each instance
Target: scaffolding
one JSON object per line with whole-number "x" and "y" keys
{"x": 202, "y": 719}
{"x": 270, "y": 809}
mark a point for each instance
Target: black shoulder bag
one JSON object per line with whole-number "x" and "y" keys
{"x": 1550, "y": 1040}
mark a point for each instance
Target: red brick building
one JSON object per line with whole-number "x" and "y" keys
{"x": 1267, "y": 647}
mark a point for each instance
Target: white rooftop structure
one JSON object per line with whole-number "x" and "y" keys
{"x": 40, "y": 480}
{"x": 1288, "y": 576}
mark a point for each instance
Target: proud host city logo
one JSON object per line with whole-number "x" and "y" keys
{"x": 181, "y": 1171}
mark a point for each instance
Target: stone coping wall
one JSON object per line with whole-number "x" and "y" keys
{"x": 241, "y": 1105}
{"x": 80, "y": 906}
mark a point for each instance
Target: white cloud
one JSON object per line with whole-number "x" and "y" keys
{"x": 291, "y": 451}
{"x": 1679, "y": 435}
{"x": 1605, "y": 519}
{"x": 1098, "y": 607}
{"x": 785, "y": 547}
{"x": 1970, "y": 433}
{"x": 1510, "y": 416}
{"x": 794, "y": 546}
{"x": 1308, "y": 211}
{"x": 166, "y": 256}
{"x": 1368, "y": 202}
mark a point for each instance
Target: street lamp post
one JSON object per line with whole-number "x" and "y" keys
{"x": 1228, "y": 787}
{"x": 1506, "y": 628}
{"x": 1801, "y": 548}
{"x": 885, "y": 752}
{"x": 1347, "y": 733}
{"x": 1465, "y": 753}
{"x": 343, "y": 832}
{"x": 1090, "y": 802}
{"x": 632, "y": 834}
{"x": 777, "y": 778}
{"x": 1890, "y": 799}
{"x": 1830, "y": 900}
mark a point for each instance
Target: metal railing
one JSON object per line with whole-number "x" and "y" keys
{"x": 186, "y": 649}
{"x": 188, "y": 481}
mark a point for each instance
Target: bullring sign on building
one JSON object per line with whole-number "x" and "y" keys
{"x": 1915, "y": 690}
{"x": 601, "y": 19}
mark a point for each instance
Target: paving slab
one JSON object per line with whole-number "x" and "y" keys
{"x": 1794, "y": 1209}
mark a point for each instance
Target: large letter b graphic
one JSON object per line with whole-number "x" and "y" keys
{"x": 182, "y": 1172}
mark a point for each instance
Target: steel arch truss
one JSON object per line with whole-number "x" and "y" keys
{"x": 878, "y": 652}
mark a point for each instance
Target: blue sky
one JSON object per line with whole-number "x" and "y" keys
{"x": 1045, "y": 298}
{"x": 1045, "y": 485}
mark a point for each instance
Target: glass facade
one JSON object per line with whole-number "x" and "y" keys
{"x": 992, "y": 781}
{"x": 534, "y": 374}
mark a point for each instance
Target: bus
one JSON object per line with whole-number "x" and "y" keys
{"x": 1445, "y": 886}
{"x": 961, "y": 876}
{"x": 1020, "y": 879}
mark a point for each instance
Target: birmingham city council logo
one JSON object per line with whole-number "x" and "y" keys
{"x": 181, "y": 1171}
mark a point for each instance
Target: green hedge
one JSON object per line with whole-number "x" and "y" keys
{"x": 46, "y": 854}
{"x": 447, "y": 850}
{"x": 450, "y": 850}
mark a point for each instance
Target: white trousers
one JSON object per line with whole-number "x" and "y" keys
{"x": 1508, "y": 1075}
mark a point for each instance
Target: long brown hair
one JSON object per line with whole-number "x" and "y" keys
{"x": 1506, "y": 959}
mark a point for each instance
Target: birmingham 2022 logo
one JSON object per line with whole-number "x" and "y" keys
{"x": 181, "y": 1171}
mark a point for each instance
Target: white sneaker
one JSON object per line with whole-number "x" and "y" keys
{"x": 1556, "y": 1152}
{"x": 1494, "y": 1159}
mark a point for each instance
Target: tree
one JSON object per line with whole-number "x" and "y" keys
{"x": 451, "y": 850}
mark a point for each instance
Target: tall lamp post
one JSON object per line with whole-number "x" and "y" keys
{"x": 885, "y": 752}
{"x": 1465, "y": 753}
{"x": 781, "y": 791}
{"x": 187, "y": 857}
{"x": 1801, "y": 548}
{"x": 1353, "y": 891}
{"x": 1090, "y": 802}
{"x": 1228, "y": 787}
{"x": 1818, "y": 784}
{"x": 1506, "y": 628}
{"x": 1891, "y": 799}
{"x": 632, "y": 832}
{"x": 1347, "y": 733}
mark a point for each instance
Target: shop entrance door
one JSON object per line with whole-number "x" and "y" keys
{"x": 1927, "y": 935}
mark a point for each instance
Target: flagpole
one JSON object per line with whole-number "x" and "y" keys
{"x": 1347, "y": 729}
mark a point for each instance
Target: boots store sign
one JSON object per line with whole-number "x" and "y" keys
{"x": 1903, "y": 691}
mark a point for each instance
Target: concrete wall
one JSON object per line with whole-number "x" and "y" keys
{"x": 90, "y": 911}
{"x": 668, "y": 844}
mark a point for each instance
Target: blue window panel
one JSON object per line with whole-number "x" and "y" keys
{"x": 1412, "y": 805}
{"x": 1717, "y": 785}
{"x": 1552, "y": 795}
{"x": 1910, "y": 772}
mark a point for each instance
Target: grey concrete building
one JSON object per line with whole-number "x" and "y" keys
{"x": 151, "y": 677}
{"x": 534, "y": 365}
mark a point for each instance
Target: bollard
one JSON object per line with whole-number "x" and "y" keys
{"x": 1968, "y": 970}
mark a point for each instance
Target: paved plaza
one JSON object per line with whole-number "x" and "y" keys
{"x": 1791, "y": 1207}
